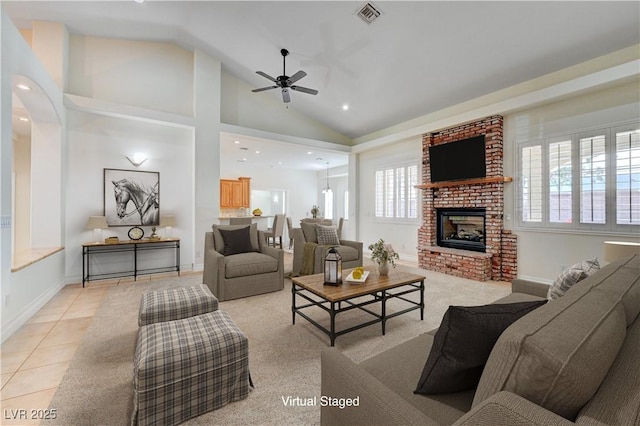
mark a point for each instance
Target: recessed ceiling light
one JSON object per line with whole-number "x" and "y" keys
{"x": 23, "y": 119}
{"x": 257, "y": 152}
{"x": 236, "y": 142}
{"x": 318, "y": 158}
{"x": 279, "y": 162}
{"x": 23, "y": 86}
{"x": 345, "y": 107}
{"x": 139, "y": 1}
{"x": 309, "y": 152}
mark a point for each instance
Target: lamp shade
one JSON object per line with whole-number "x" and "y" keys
{"x": 614, "y": 250}
{"x": 97, "y": 222}
{"x": 168, "y": 220}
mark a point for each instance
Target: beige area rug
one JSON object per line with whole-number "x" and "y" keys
{"x": 284, "y": 358}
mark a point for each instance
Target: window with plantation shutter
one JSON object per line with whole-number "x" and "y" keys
{"x": 587, "y": 181}
{"x": 395, "y": 194}
{"x": 593, "y": 180}
{"x": 531, "y": 183}
{"x": 628, "y": 177}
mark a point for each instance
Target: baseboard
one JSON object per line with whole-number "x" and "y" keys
{"x": 11, "y": 326}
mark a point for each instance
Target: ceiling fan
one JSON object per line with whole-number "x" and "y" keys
{"x": 285, "y": 82}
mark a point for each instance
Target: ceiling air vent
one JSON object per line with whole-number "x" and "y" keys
{"x": 368, "y": 12}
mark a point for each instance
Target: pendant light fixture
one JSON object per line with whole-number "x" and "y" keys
{"x": 327, "y": 189}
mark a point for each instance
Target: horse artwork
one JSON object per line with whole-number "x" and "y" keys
{"x": 134, "y": 198}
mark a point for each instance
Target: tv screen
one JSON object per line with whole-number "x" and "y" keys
{"x": 463, "y": 159}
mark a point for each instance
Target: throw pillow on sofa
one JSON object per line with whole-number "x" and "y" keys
{"x": 236, "y": 241}
{"x": 462, "y": 345}
{"x": 327, "y": 235}
{"x": 572, "y": 275}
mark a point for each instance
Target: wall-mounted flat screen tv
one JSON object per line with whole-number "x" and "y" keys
{"x": 463, "y": 159}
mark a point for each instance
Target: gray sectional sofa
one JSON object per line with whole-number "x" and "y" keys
{"x": 572, "y": 361}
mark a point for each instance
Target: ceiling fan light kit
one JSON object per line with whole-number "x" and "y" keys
{"x": 284, "y": 81}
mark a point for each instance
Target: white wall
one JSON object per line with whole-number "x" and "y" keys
{"x": 23, "y": 292}
{"x": 542, "y": 255}
{"x": 402, "y": 236}
{"x": 152, "y": 75}
{"x": 97, "y": 142}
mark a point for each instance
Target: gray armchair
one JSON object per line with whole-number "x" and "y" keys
{"x": 350, "y": 251}
{"x": 243, "y": 274}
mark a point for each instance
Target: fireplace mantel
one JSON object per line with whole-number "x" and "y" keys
{"x": 477, "y": 181}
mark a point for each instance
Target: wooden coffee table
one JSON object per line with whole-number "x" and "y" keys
{"x": 331, "y": 299}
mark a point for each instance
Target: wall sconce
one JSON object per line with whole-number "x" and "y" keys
{"x": 138, "y": 159}
{"x": 168, "y": 222}
{"x": 97, "y": 224}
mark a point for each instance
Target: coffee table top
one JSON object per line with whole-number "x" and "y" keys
{"x": 374, "y": 283}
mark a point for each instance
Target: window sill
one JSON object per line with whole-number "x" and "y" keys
{"x": 29, "y": 257}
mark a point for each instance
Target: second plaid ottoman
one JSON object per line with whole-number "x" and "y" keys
{"x": 175, "y": 304}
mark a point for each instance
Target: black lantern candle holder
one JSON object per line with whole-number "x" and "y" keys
{"x": 333, "y": 268}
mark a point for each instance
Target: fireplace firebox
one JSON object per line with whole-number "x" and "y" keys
{"x": 462, "y": 228}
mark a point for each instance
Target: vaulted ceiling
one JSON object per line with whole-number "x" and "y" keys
{"x": 416, "y": 58}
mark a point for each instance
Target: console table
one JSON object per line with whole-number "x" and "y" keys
{"x": 129, "y": 246}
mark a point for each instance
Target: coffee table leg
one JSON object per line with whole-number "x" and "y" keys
{"x": 332, "y": 335}
{"x": 384, "y": 312}
{"x": 293, "y": 303}
{"x": 422, "y": 300}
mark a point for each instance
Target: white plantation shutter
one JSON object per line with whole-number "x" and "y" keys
{"x": 627, "y": 171}
{"x": 560, "y": 182}
{"x": 395, "y": 195}
{"x": 593, "y": 179}
{"x": 379, "y": 200}
{"x": 588, "y": 181}
{"x": 531, "y": 183}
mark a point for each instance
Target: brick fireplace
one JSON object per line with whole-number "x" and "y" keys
{"x": 499, "y": 260}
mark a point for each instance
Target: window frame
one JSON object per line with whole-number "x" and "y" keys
{"x": 393, "y": 201}
{"x": 576, "y": 226}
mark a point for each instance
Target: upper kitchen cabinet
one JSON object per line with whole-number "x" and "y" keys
{"x": 235, "y": 193}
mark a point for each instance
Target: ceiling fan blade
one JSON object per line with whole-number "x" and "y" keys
{"x": 304, "y": 90}
{"x": 267, "y": 76}
{"x": 264, "y": 88}
{"x": 297, "y": 76}
{"x": 285, "y": 95}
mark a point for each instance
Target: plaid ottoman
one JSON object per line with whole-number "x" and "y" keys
{"x": 175, "y": 304}
{"x": 187, "y": 367}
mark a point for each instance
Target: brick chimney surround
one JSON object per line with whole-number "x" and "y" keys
{"x": 499, "y": 262}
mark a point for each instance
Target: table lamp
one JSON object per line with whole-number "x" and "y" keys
{"x": 97, "y": 224}
{"x": 168, "y": 222}
{"x": 614, "y": 250}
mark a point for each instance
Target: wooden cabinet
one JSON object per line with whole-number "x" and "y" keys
{"x": 235, "y": 193}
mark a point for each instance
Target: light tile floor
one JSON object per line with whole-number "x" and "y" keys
{"x": 34, "y": 359}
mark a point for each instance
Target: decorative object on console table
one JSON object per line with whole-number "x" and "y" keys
{"x": 131, "y": 197}
{"x": 168, "y": 222}
{"x": 257, "y": 212}
{"x": 136, "y": 233}
{"x": 333, "y": 268}
{"x": 154, "y": 236}
{"x": 315, "y": 211}
{"x": 383, "y": 254}
{"x": 614, "y": 250}
{"x": 97, "y": 224}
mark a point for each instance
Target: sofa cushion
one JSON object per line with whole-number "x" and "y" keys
{"x": 236, "y": 241}
{"x": 463, "y": 343}
{"x": 309, "y": 231}
{"x": 571, "y": 276}
{"x": 253, "y": 263}
{"x": 617, "y": 402}
{"x": 219, "y": 242}
{"x": 621, "y": 279}
{"x": 327, "y": 235}
{"x": 549, "y": 355}
{"x": 397, "y": 368}
{"x": 347, "y": 253}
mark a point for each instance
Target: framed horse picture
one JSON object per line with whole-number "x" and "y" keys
{"x": 131, "y": 197}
